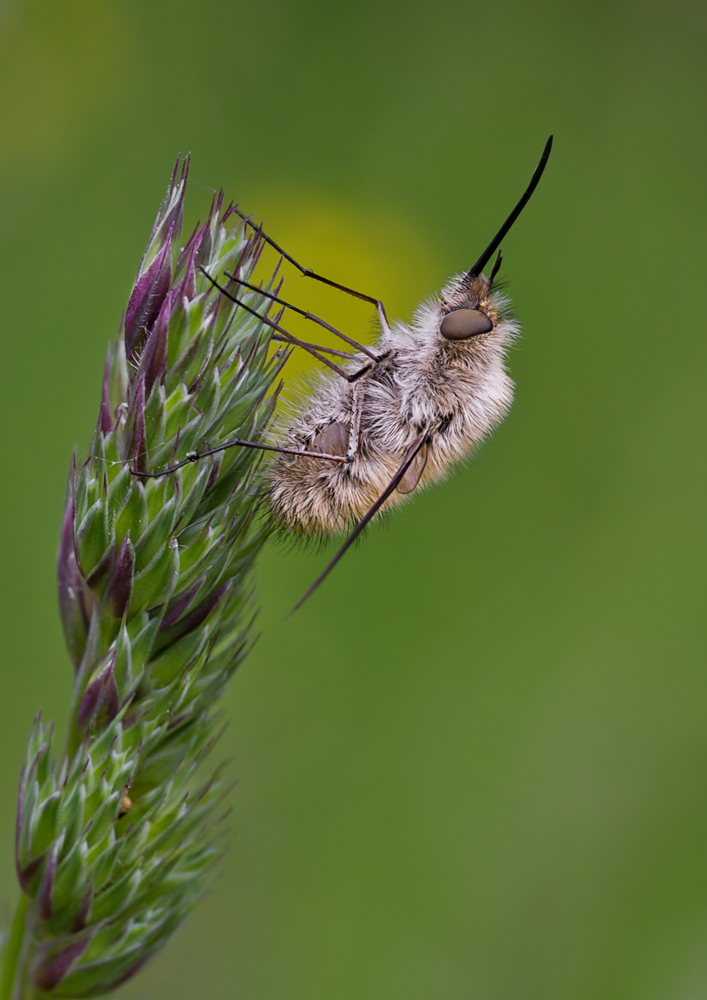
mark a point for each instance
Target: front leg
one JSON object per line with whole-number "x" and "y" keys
{"x": 355, "y": 426}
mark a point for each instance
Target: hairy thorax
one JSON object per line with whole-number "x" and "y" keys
{"x": 451, "y": 393}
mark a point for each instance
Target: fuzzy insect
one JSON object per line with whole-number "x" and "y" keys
{"x": 386, "y": 420}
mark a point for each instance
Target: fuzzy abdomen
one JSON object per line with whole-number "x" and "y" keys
{"x": 401, "y": 400}
{"x": 319, "y": 498}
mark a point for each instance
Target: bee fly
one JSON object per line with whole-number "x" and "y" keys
{"x": 388, "y": 419}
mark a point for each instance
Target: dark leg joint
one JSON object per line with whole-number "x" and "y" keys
{"x": 357, "y": 375}
{"x": 367, "y": 368}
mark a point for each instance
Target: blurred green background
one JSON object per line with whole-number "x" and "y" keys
{"x": 474, "y": 765}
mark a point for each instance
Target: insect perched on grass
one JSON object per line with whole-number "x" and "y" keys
{"x": 385, "y": 420}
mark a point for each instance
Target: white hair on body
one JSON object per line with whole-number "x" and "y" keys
{"x": 454, "y": 392}
{"x": 397, "y": 416}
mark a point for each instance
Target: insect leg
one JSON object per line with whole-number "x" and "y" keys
{"x": 309, "y": 273}
{"x": 370, "y": 513}
{"x": 302, "y": 312}
{"x": 355, "y": 428}
{"x": 311, "y": 348}
{"x": 314, "y": 347}
{"x": 380, "y": 308}
{"x": 290, "y": 339}
{"x": 194, "y": 456}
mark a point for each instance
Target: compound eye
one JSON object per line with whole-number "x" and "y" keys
{"x": 464, "y": 323}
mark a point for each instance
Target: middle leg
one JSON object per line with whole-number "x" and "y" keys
{"x": 301, "y": 312}
{"x": 307, "y": 272}
{"x": 290, "y": 338}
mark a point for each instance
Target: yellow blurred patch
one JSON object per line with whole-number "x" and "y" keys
{"x": 375, "y": 252}
{"x": 59, "y": 59}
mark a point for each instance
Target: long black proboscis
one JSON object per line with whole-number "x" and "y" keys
{"x": 496, "y": 241}
{"x": 370, "y": 513}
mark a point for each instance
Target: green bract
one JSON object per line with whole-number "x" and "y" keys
{"x": 116, "y": 839}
